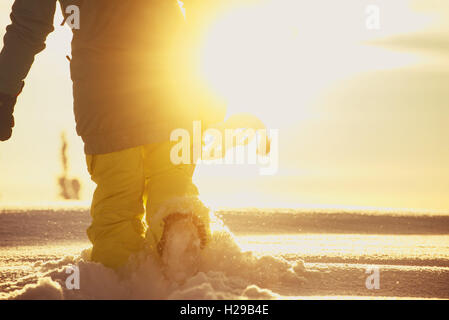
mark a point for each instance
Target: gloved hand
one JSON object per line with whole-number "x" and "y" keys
{"x": 7, "y": 104}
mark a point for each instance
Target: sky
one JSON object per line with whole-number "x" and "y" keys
{"x": 362, "y": 114}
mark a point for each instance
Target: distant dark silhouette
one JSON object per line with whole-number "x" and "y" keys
{"x": 69, "y": 188}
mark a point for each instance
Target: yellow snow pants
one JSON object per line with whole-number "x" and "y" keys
{"x": 136, "y": 189}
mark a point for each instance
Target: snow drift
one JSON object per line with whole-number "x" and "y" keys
{"x": 226, "y": 272}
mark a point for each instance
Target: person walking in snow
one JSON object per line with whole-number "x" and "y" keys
{"x": 133, "y": 83}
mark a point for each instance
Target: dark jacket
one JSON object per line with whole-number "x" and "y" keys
{"x": 133, "y": 69}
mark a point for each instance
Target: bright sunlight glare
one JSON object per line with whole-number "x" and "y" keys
{"x": 272, "y": 58}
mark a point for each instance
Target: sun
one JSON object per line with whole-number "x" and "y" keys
{"x": 273, "y": 58}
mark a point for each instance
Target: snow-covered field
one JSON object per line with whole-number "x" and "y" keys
{"x": 267, "y": 254}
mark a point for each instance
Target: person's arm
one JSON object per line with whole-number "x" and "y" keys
{"x": 31, "y": 22}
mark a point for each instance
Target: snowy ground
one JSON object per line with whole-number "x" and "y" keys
{"x": 273, "y": 254}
